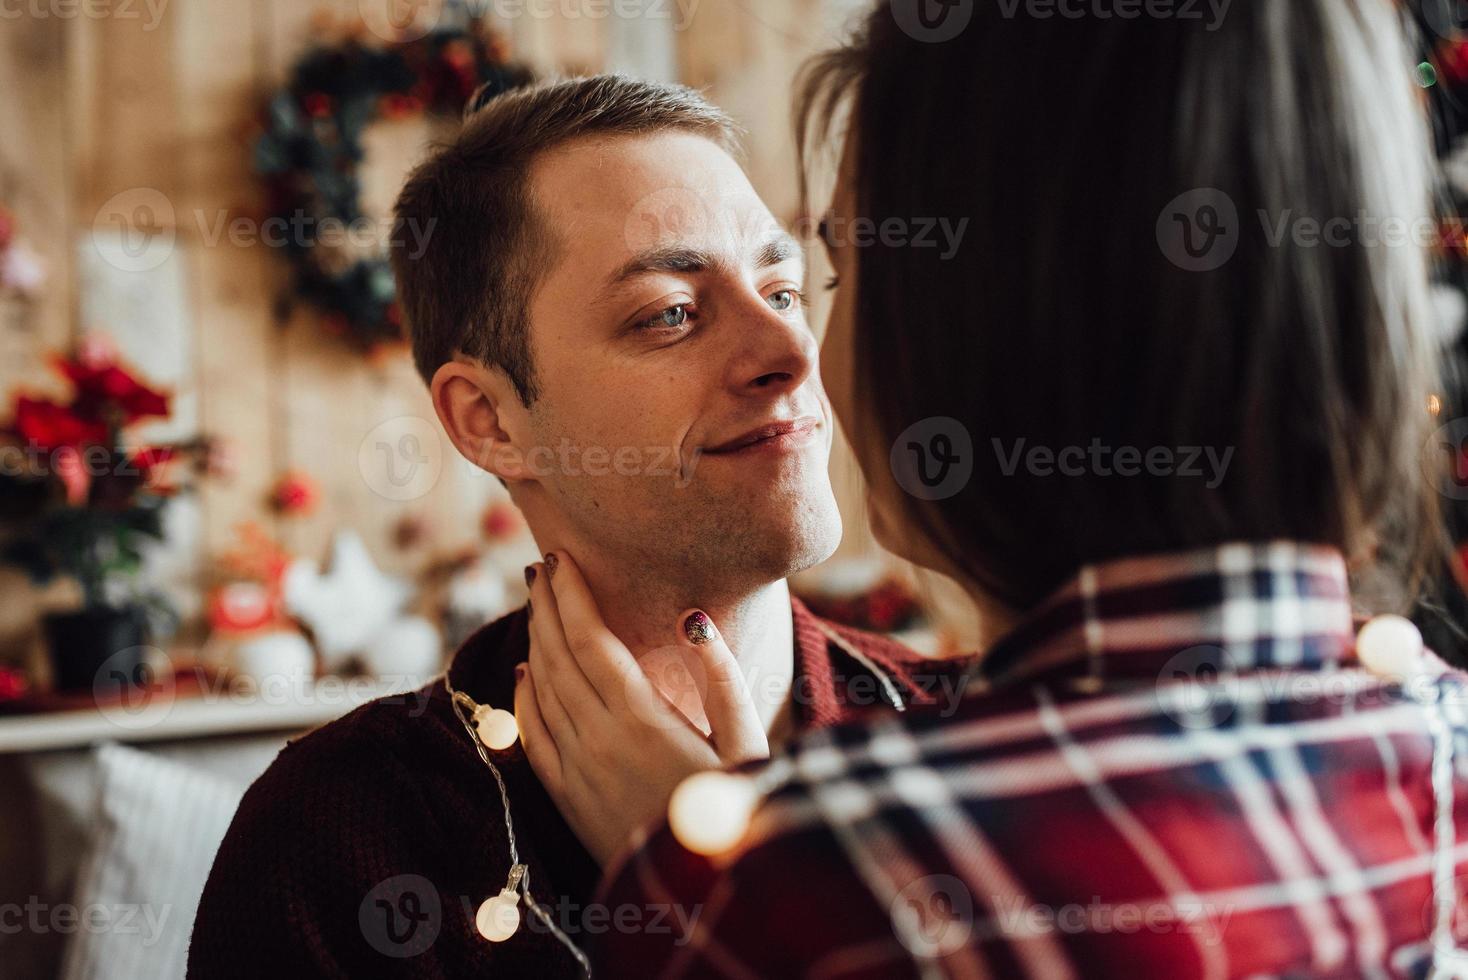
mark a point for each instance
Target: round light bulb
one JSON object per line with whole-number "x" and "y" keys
{"x": 1390, "y": 646}
{"x": 709, "y": 812}
{"x": 498, "y": 917}
{"x": 496, "y": 727}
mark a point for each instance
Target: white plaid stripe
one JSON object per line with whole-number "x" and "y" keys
{"x": 1275, "y": 837}
{"x": 1325, "y": 846}
{"x": 1143, "y": 844}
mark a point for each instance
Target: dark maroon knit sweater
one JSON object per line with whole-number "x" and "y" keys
{"x": 366, "y": 848}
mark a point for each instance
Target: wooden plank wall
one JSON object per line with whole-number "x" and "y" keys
{"x": 95, "y": 107}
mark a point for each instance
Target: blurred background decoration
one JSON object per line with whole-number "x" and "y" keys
{"x": 1442, "y": 30}
{"x": 207, "y": 187}
{"x": 193, "y": 210}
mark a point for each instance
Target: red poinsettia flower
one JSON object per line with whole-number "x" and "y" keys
{"x": 47, "y": 425}
{"x": 102, "y": 384}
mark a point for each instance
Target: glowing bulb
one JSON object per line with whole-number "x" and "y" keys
{"x": 709, "y": 812}
{"x": 1390, "y": 646}
{"x": 496, "y": 727}
{"x": 498, "y": 917}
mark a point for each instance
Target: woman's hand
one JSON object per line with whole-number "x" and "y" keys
{"x": 605, "y": 738}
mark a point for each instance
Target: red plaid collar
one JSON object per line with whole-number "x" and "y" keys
{"x": 1239, "y": 606}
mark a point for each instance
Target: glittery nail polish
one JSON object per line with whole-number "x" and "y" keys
{"x": 698, "y": 628}
{"x": 551, "y": 561}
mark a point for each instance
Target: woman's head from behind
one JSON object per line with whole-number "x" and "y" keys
{"x": 1112, "y": 286}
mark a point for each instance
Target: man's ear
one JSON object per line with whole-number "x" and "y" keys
{"x": 479, "y": 409}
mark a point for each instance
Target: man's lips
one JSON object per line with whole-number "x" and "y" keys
{"x": 783, "y": 435}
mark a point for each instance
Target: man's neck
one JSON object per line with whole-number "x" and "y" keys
{"x": 756, "y": 625}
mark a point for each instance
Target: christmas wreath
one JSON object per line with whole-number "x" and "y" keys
{"x": 312, "y": 147}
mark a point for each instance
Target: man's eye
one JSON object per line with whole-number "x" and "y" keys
{"x": 785, "y": 299}
{"x": 673, "y": 316}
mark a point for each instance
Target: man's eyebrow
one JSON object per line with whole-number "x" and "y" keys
{"x": 670, "y": 258}
{"x": 682, "y": 258}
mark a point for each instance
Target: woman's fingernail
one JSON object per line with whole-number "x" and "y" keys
{"x": 698, "y": 628}
{"x": 551, "y": 561}
{"x": 529, "y": 575}
{"x": 519, "y": 673}
{"x": 529, "y": 609}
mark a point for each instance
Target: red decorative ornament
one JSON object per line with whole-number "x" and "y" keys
{"x": 13, "y": 685}
{"x": 501, "y": 521}
{"x": 295, "y": 494}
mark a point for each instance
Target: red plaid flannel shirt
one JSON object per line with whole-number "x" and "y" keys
{"x": 1176, "y": 767}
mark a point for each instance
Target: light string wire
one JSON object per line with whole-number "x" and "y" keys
{"x": 464, "y": 708}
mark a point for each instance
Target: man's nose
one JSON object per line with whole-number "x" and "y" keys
{"x": 777, "y": 351}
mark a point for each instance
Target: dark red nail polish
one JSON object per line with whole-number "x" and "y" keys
{"x": 519, "y": 672}
{"x": 529, "y": 575}
{"x": 551, "y": 561}
{"x": 698, "y": 628}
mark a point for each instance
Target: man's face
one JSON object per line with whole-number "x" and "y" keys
{"x": 667, "y": 338}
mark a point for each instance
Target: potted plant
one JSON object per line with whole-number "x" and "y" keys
{"x": 79, "y": 499}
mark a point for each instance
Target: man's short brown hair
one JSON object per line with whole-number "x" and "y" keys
{"x": 467, "y": 288}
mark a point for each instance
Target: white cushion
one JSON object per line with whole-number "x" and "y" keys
{"x": 157, "y": 827}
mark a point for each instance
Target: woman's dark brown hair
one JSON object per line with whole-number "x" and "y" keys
{"x": 1097, "y": 161}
